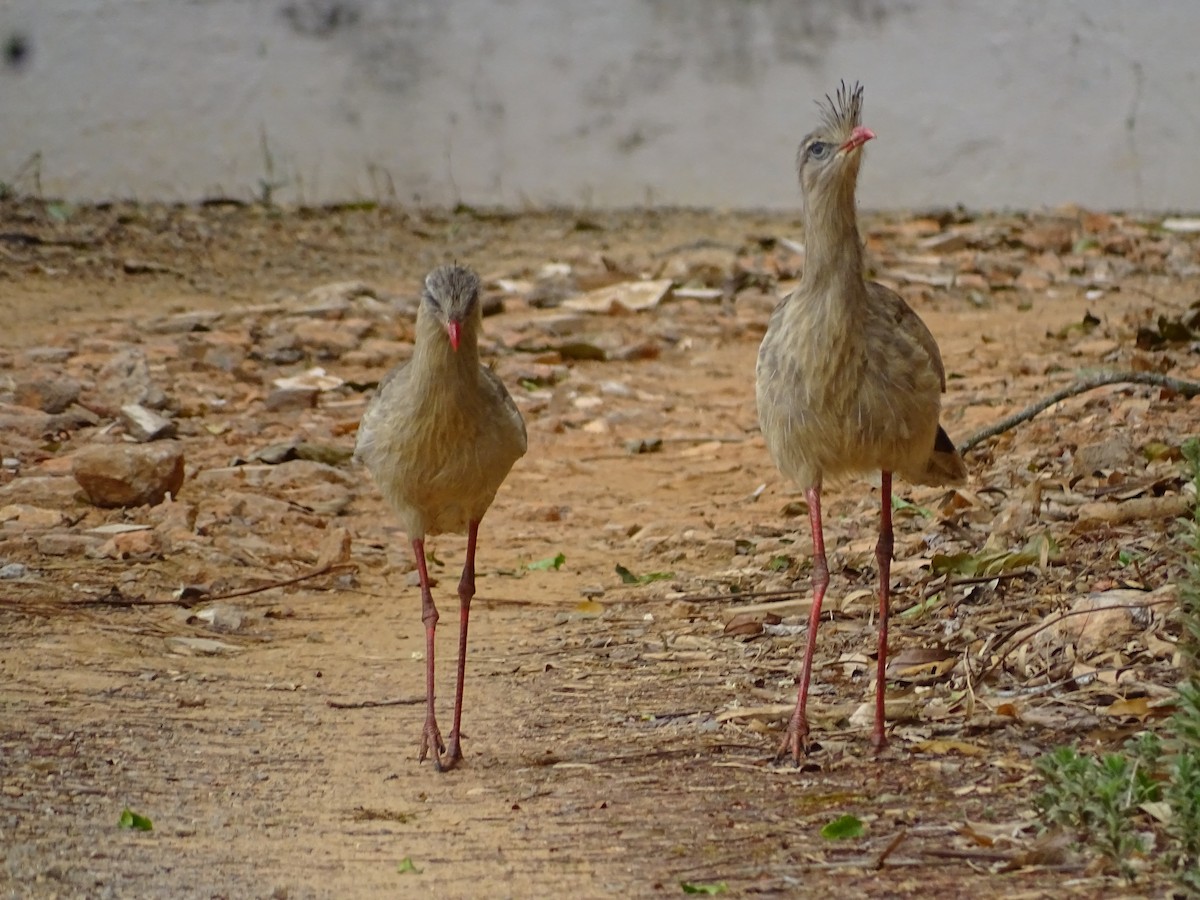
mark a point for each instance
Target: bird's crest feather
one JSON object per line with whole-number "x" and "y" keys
{"x": 842, "y": 112}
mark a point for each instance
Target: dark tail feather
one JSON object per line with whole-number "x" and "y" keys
{"x": 945, "y": 466}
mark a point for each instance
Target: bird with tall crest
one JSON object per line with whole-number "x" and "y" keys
{"x": 440, "y": 437}
{"x": 849, "y": 379}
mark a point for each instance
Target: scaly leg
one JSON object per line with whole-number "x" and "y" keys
{"x": 883, "y": 555}
{"x": 795, "y": 739}
{"x": 431, "y": 738}
{"x": 466, "y": 590}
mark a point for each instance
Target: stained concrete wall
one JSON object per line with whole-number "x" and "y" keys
{"x": 600, "y": 102}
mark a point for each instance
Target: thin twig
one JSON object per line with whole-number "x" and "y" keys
{"x": 742, "y": 595}
{"x": 1188, "y": 389}
{"x": 892, "y": 845}
{"x": 115, "y": 598}
{"x": 371, "y": 704}
{"x": 949, "y": 582}
{"x": 1050, "y": 622}
{"x": 314, "y": 573}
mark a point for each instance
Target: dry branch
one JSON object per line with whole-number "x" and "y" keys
{"x": 1188, "y": 389}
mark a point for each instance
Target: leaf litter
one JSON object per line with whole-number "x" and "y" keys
{"x": 1038, "y": 594}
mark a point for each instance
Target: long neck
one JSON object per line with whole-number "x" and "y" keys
{"x": 433, "y": 356}
{"x": 833, "y": 260}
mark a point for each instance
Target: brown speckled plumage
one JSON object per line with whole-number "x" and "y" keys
{"x": 849, "y": 379}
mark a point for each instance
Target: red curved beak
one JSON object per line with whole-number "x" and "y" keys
{"x": 454, "y": 330}
{"x": 859, "y": 136}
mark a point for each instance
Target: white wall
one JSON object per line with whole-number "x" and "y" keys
{"x": 600, "y": 102}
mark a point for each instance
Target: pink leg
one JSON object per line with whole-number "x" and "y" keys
{"x": 431, "y": 738}
{"x": 466, "y": 590}
{"x": 883, "y": 555}
{"x": 795, "y": 740}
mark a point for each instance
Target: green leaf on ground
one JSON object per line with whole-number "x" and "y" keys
{"x": 843, "y": 827}
{"x": 628, "y": 577}
{"x": 716, "y": 887}
{"x": 130, "y": 819}
{"x": 407, "y": 865}
{"x": 1040, "y": 550}
{"x": 545, "y": 565}
{"x": 899, "y": 504}
{"x": 779, "y": 563}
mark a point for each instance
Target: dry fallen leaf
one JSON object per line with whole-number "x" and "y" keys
{"x": 941, "y": 747}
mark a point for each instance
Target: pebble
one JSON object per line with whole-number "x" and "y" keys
{"x": 281, "y": 399}
{"x": 190, "y": 646}
{"x": 145, "y": 425}
{"x": 122, "y": 475}
{"x": 133, "y": 545}
{"x": 41, "y": 490}
{"x": 51, "y": 395}
{"x": 30, "y": 516}
{"x": 63, "y": 544}
{"x": 126, "y": 378}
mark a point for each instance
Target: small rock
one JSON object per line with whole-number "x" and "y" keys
{"x": 63, "y": 544}
{"x": 38, "y": 355}
{"x": 126, "y": 379}
{"x": 13, "y": 570}
{"x": 190, "y": 646}
{"x": 560, "y": 325}
{"x": 1031, "y": 279}
{"x": 27, "y": 425}
{"x": 540, "y": 374}
{"x": 970, "y": 281}
{"x": 644, "y": 445}
{"x": 121, "y": 475}
{"x": 30, "y": 516}
{"x": 316, "y": 379}
{"x": 330, "y": 339}
{"x": 333, "y": 300}
{"x": 38, "y": 490}
{"x": 330, "y": 454}
{"x": 136, "y": 545}
{"x": 281, "y": 399}
{"x": 144, "y": 424}
{"x": 52, "y": 395}
{"x": 182, "y": 323}
{"x": 633, "y": 296}
{"x": 948, "y": 242}
{"x": 616, "y": 389}
{"x": 221, "y": 617}
{"x": 71, "y": 419}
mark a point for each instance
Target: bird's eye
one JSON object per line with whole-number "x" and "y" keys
{"x": 818, "y": 150}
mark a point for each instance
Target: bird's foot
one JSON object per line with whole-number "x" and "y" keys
{"x": 453, "y": 752}
{"x": 879, "y": 741}
{"x": 795, "y": 740}
{"x": 431, "y": 741}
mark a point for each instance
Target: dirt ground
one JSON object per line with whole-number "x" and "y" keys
{"x": 619, "y": 737}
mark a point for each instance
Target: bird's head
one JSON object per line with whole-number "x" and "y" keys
{"x": 451, "y": 297}
{"x": 829, "y": 157}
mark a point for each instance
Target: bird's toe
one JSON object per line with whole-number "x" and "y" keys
{"x": 432, "y": 743}
{"x": 795, "y": 742}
